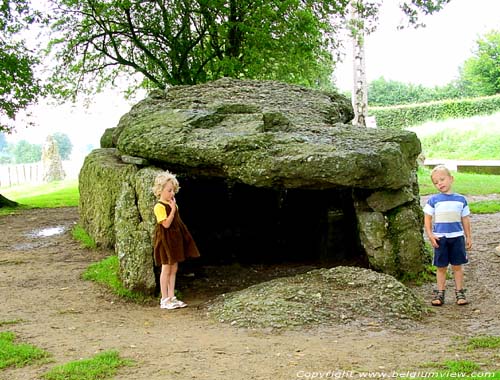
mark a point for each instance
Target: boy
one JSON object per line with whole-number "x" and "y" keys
{"x": 449, "y": 233}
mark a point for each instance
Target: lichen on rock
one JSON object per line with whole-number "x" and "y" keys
{"x": 339, "y": 295}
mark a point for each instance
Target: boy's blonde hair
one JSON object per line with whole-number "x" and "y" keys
{"x": 441, "y": 168}
{"x": 161, "y": 181}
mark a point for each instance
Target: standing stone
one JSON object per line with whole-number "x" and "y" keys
{"x": 51, "y": 161}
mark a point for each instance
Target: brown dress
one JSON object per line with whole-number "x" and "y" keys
{"x": 173, "y": 244}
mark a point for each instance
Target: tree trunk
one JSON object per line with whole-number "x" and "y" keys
{"x": 360, "y": 86}
{"x": 4, "y": 202}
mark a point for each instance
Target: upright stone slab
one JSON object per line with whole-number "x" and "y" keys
{"x": 51, "y": 161}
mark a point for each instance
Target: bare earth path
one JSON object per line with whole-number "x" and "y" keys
{"x": 40, "y": 286}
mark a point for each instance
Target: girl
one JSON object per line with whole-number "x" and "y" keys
{"x": 172, "y": 241}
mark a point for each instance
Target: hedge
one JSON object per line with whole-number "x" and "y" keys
{"x": 409, "y": 115}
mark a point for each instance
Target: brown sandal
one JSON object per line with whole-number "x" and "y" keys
{"x": 438, "y": 298}
{"x": 460, "y": 297}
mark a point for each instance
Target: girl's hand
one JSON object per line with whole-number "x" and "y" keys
{"x": 172, "y": 203}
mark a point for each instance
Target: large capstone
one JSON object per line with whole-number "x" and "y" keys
{"x": 269, "y": 172}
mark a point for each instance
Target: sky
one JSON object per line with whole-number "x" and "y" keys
{"x": 429, "y": 56}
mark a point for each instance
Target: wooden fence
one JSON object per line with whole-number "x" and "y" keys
{"x": 11, "y": 175}
{"x": 19, "y": 174}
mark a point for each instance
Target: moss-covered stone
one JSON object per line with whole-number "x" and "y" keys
{"x": 284, "y": 134}
{"x": 238, "y": 145}
{"x": 100, "y": 181}
{"x": 133, "y": 244}
{"x": 374, "y": 235}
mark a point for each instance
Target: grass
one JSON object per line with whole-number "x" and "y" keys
{"x": 100, "y": 367}
{"x": 464, "y": 183}
{"x": 79, "y": 234}
{"x": 475, "y": 138}
{"x": 50, "y": 195}
{"x": 452, "y": 369}
{"x": 106, "y": 272}
{"x": 18, "y": 354}
{"x": 492, "y": 342}
{"x": 485, "y": 207}
{"x": 10, "y": 322}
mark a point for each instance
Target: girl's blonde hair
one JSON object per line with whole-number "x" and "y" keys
{"x": 161, "y": 181}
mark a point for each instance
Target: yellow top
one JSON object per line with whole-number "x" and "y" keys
{"x": 160, "y": 212}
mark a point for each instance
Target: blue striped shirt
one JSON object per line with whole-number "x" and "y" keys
{"x": 447, "y": 211}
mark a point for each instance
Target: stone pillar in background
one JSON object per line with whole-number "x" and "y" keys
{"x": 51, "y": 161}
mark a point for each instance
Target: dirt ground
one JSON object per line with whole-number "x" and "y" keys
{"x": 40, "y": 287}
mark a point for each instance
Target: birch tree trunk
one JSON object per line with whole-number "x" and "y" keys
{"x": 360, "y": 86}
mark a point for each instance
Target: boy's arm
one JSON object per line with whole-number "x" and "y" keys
{"x": 428, "y": 230}
{"x": 467, "y": 231}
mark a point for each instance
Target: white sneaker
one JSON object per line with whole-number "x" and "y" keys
{"x": 167, "y": 303}
{"x": 177, "y": 303}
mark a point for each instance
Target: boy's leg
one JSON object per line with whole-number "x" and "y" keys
{"x": 458, "y": 274}
{"x": 438, "y": 298}
{"x": 441, "y": 277}
{"x": 458, "y": 257}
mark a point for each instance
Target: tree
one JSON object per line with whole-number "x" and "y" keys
{"x": 480, "y": 74}
{"x": 191, "y": 41}
{"x": 4, "y": 154}
{"x": 3, "y": 142}
{"x": 25, "y": 153}
{"x": 19, "y": 86}
{"x": 382, "y": 92}
{"x": 64, "y": 145}
{"x": 172, "y": 42}
{"x": 363, "y": 20}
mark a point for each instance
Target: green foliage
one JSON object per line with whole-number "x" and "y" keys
{"x": 405, "y": 116}
{"x": 480, "y": 74}
{"x": 19, "y": 86}
{"x": 188, "y": 42}
{"x": 102, "y": 366}
{"x": 382, "y": 92}
{"x": 3, "y": 142}
{"x": 64, "y": 145}
{"x": 25, "y": 152}
{"x": 5, "y": 157}
{"x": 17, "y": 355}
{"x": 106, "y": 272}
{"x": 79, "y": 233}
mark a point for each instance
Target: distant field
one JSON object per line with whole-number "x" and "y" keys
{"x": 55, "y": 194}
{"x": 476, "y": 138}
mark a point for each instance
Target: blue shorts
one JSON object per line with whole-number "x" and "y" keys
{"x": 450, "y": 251}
